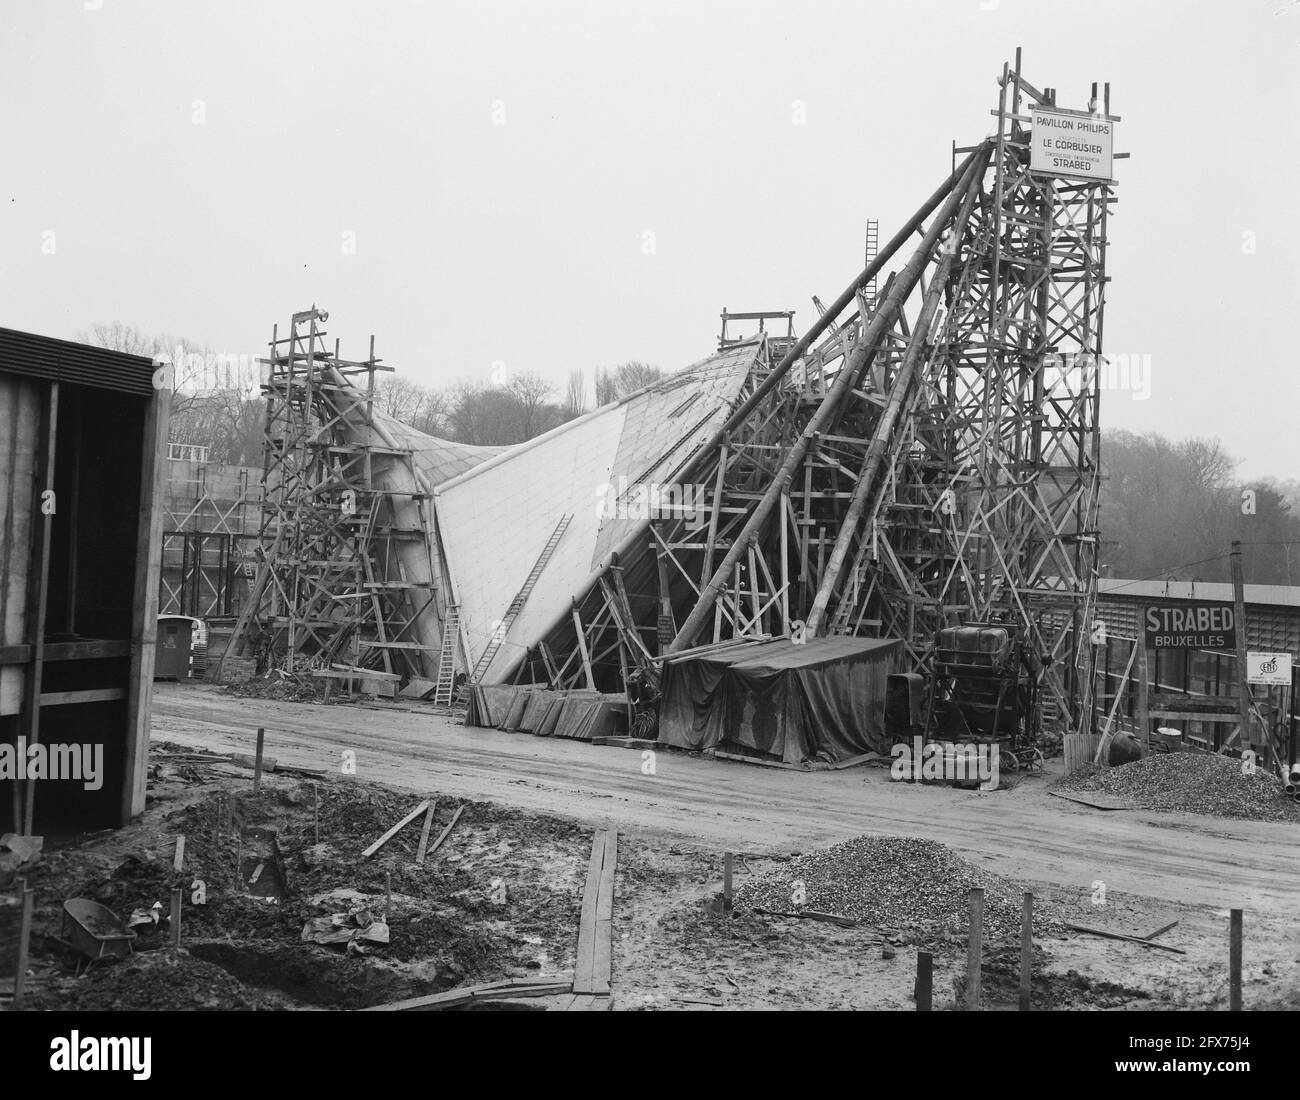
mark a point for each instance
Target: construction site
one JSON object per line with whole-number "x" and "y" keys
{"x": 789, "y": 681}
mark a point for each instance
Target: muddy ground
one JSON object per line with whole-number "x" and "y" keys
{"x": 502, "y": 898}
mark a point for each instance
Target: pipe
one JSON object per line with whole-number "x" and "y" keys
{"x": 844, "y": 380}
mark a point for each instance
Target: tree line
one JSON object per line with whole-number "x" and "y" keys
{"x": 218, "y": 404}
{"x": 1169, "y": 508}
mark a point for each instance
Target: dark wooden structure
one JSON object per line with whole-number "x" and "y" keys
{"x": 81, "y": 435}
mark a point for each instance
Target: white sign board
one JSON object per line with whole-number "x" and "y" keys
{"x": 1065, "y": 143}
{"x": 1269, "y": 668}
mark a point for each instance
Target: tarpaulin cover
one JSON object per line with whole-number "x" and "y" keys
{"x": 823, "y": 698}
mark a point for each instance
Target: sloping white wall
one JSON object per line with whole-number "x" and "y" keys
{"x": 496, "y": 522}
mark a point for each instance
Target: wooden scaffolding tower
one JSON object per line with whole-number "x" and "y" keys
{"x": 924, "y": 455}
{"x": 333, "y": 585}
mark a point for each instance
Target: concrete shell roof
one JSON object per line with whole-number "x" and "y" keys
{"x": 496, "y": 518}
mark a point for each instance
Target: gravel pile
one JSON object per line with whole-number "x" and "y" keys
{"x": 1194, "y": 783}
{"x": 919, "y": 888}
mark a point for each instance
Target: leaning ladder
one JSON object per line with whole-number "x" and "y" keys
{"x": 442, "y": 690}
{"x": 516, "y": 605}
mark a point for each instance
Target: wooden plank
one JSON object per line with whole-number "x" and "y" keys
{"x": 90, "y": 649}
{"x": 590, "y": 1004}
{"x": 491, "y": 991}
{"x": 450, "y": 825}
{"x": 584, "y": 966}
{"x": 424, "y": 835}
{"x": 602, "y": 966}
{"x": 1120, "y": 936}
{"x": 72, "y": 698}
{"x": 1195, "y": 715}
{"x": 1096, "y": 799}
{"x": 144, "y": 626}
{"x": 396, "y": 829}
{"x": 1160, "y": 931}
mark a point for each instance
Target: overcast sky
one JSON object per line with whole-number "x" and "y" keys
{"x": 561, "y": 186}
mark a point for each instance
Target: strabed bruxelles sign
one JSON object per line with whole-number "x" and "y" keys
{"x": 1190, "y": 626}
{"x": 1066, "y": 143}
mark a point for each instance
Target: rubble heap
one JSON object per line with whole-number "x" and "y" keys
{"x": 919, "y": 888}
{"x": 1194, "y": 783}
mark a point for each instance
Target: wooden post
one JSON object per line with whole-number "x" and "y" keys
{"x": 315, "y": 800}
{"x": 1144, "y": 697}
{"x": 1026, "y": 948}
{"x": 582, "y": 648}
{"x": 24, "y": 939}
{"x": 1239, "y": 623}
{"x": 924, "y": 980}
{"x": 144, "y": 625}
{"x": 38, "y": 577}
{"x": 257, "y": 763}
{"x": 176, "y": 917}
{"x": 974, "y": 948}
{"x": 388, "y": 895}
{"x": 1234, "y": 958}
{"x": 726, "y": 882}
{"x": 179, "y": 860}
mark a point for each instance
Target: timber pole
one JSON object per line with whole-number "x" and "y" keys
{"x": 844, "y": 380}
{"x": 899, "y": 393}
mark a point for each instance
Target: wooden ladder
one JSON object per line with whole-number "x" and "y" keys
{"x": 516, "y": 605}
{"x": 446, "y": 682}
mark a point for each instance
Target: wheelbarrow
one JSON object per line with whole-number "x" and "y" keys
{"x": 95, "y": 931}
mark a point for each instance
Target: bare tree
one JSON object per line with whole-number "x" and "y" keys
{"x": 532, "y": 391}
{"x": 616, "y": 383}
{"x": 575, "y": 396}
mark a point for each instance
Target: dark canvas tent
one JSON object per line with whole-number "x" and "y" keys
{"x": 794, "y": 702}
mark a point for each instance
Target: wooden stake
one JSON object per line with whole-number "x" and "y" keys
{"x": 179, "y": 859}
{"x": 424, "y": 836}
{"x": 176, "y": 918}
{"x": 315, "y": 798}
{"x": 1234, "y": 952}
{"x": 257, "y": 762}
{"x": 1026, "y": 948}
{"x": 726, "y": 882}
{"x": 388, "y": 895}
{"x": 924, "y": 980}
{"x": 1143, "y": 689}
{"x": 974, "y": 948}
{"x": 24, "y": 938}
{"x": 1241, "y": 672}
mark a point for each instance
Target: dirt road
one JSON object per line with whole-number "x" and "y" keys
{"x": 1023, "y": 833}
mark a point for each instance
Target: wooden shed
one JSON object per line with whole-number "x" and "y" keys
{"x": 81, "y": 434}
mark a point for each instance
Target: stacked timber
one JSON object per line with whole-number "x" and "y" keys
{"x": 539, "y": 710}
